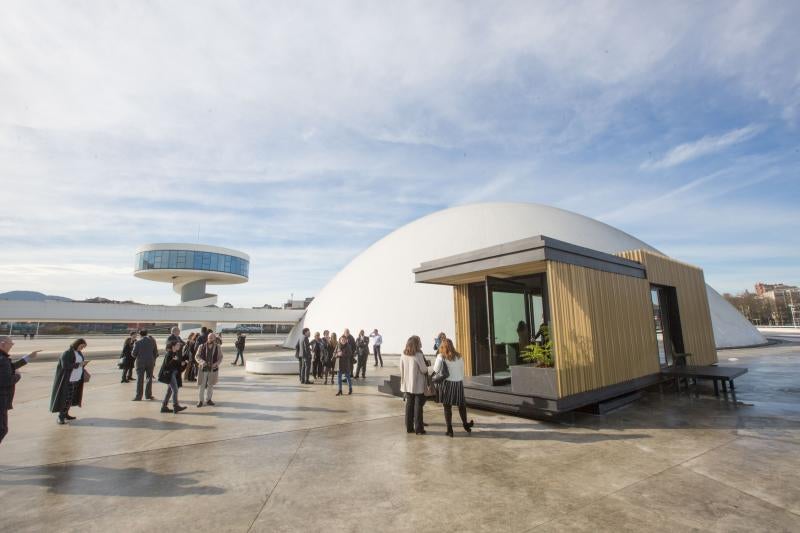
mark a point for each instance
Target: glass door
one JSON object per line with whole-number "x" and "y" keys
{"x": 509, "y": 325}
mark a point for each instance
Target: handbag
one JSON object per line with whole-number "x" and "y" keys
{"x": 439, "y": 377}
{"x": 430, "y": 389}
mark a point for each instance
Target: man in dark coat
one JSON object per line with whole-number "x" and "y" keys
{"x": 145, "y": 352}
{"x": 8, "y": 380}
{"x": 304, "y": 354}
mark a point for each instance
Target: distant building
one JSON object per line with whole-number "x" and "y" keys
{"x": 298, "y": 304}
{"x": 784, "y": 301}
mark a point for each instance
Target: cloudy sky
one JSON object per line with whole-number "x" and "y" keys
{"x": 303, "y": 132}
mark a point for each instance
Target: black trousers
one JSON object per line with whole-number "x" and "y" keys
{"x": 448, "y": 414}
{"x": 71, "y": 388}
{"x": 377, "y": 351}
{"x": 141, "y": 372}
{"x": 305, "y": 369}
{"x": 362, "y": 365}
{"x": 3, "y": 423}
{"x": 414, "y": 403}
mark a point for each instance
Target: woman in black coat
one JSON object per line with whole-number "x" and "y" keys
{"x": 170, "y": 373}
{"x": 344, "y": 356}
{"x": 68, "y": 383}
{"x": 128, "y": 360}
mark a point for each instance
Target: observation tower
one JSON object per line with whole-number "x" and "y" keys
{"x": 190, "y": 268}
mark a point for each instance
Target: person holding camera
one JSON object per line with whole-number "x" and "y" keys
{"x": 8, "y": 380}
{"x": 208, "y": 358}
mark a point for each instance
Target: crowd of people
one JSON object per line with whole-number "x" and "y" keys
{"x": 327, "y": 355}
{"x": 198, "y": 359}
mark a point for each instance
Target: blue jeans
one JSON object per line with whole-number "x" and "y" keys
{"x": 239, "y": 353}
{"x": 346, "y": 373}
{"x": 172, "y": 390}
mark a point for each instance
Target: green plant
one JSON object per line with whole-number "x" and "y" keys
{"x": 540, "y": 354}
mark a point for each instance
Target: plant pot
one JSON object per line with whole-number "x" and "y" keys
{"x": 534, "y": 381}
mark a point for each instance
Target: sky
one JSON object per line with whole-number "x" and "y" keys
{"x": 303, "y": 132}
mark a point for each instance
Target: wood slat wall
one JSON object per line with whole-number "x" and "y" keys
{"x": 602, "y": 328}
{"x": 689, "y": 283}
{"x": 462, "y": 340}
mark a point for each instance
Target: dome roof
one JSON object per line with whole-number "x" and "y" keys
{"x": 377, "y": 288}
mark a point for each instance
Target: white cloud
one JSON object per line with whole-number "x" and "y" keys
{"x": 709, "y": 144}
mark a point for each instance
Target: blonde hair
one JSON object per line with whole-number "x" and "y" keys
{"x": 413, "y": 345}
{"x": 448, "y": 351}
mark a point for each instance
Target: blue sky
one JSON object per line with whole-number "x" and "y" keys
{"x": 301, "y": 133}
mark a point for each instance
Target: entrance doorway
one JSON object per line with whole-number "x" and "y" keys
{"x": 667, "y": 319}
{"x": 505, "y": 316}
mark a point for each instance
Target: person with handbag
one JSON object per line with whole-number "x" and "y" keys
{"x": 126, "y": 360}
{"x": 239, "y": 345}
{"x": 414, "y": 383}
{"x": 68, "y": 384}
{"x": 449, "y": 373}
{"x": 170, "y": 374}
{"x": 208, "y": 358}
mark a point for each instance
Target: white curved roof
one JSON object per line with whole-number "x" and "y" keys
{"x": 377, "y": 288}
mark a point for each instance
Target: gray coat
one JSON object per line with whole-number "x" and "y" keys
{"x": 413, "y": 372}
{"x": 145, "y": 351}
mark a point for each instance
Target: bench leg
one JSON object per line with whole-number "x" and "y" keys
{"x": 724, "y": 386}
{"x": 716, "y": 388}
{"x": 732, "y": 387}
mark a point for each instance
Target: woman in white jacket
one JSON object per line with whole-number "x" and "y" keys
{"x": 453, "y": 385}
{"x": 413, "y": 376}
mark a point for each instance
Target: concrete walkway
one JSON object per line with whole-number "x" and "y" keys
{"x": 274, "y": 455}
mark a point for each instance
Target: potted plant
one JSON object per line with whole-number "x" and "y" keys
{"x": 538, "y": 376}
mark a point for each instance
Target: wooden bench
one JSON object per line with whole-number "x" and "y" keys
{"x": 724, "y": 374}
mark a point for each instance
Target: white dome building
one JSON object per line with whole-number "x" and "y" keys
{"x": 377, "y": 288}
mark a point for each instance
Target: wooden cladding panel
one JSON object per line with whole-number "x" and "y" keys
{"x": 689, "y": 283}
{"x": 602, "y": 328}
{"x": 462, "y": 340}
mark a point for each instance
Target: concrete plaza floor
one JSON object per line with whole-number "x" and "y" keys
{"x": 274, "y": 455}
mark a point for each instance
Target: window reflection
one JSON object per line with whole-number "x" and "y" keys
{"x": 190, "y": 260}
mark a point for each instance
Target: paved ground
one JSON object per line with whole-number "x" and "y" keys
{"x": 274, "y": 455}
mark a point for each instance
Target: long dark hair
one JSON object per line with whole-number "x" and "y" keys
{"x": 77, "y": 343}
{"x": 413, "y": 345}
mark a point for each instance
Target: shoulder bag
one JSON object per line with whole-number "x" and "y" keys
{"x": 443, "y": 374}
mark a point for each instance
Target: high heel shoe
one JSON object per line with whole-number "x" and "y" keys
{"x": 468, "y": 426}
{"x": 449, "y": 432}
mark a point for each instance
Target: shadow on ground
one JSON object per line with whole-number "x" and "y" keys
{"x": 91, "y": 480}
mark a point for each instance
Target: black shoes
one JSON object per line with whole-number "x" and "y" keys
{"x": 165, "y": 409}
{"x": 449, "y": 432}
{"x": 339, "y": 393}
{"x": 209, "y": 402}
{"x": 137, "y": 400}
{"x": 423, "y": 432}
{"x": 61, "y": 421}
{"x": 350, "y": 392}
{"x": 70, "y": 417}
{"x": 178, "y": 408}
{"x": 468, "y": 426}
{"x": 199, "y": 404}
{"x": 149, "y": 398}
